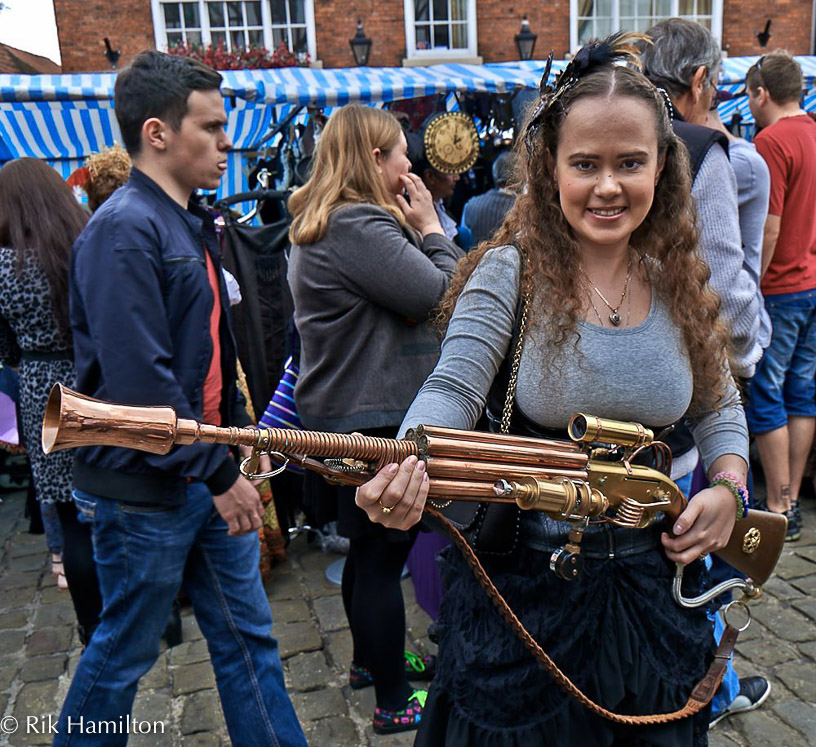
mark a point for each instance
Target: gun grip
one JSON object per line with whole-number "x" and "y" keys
{"x": 756, "y": 544}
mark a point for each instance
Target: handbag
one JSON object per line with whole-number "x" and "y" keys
{"x": 493, "y": 528}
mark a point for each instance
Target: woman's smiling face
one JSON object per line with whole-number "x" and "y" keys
{"x": 606, "y": 169}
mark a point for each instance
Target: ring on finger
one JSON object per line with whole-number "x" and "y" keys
{"x": 385, "y": 509}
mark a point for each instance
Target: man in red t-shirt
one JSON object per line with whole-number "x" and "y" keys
{"x": 781, "y": 407}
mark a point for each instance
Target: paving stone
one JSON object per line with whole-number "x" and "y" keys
{"x": 807, "y": 552}
{"x": 314, "y": 559}
{"x": 798, "y": 714}
{"x": 785, "y": 623}
{"x": 808, "y": 648}
{"x": 21, "y": 549}
{"x": 54, "y": 614}
{"x": 767, "y": 653}
{"x": 297, "y": 638}
{"x": 317, "y": 585}
{"x": 780, "y": 589}
{"x": 27, "y": 563}
{"x": 13, "y": 599}
{"x": 14, "y": 619}
{"x": 340, "y": 649}
{"x": 11, "y": 641}
{"x": 202, "y": 712}
{"x": 309, "y": 671}
{"x": 157, "y": 677}
{"x": 52, "y": 595}
{"x": 155, "y": 708}
{"x": 49, "y": 641}
{"x": 285, "y": 587}
{"x": 193, "y": 677}
{"x": 189, "y": 629}
{"x": 760, "y": 727}
{"x": 4, "y": 699}
{"x": 20, "y": 579}
{"x": 404, "y": 739}
{"x": 794, "y": 566}
{"x": 331, "y": 613}
{"x": 719, "y": 738}
{"x": 808, "y": 606}
{"x": 290, "y": 610}
{"x": 331, "y": 731}
{"x": 800, "y": 677}
{"x": 9, "y": 668}
{"x": 41, "y": 668}
{"x": 189, "y": 652}
{"x": 36, "y": 699}
{"x": 205, "y": 739}
{"x": 319, "y": 704}
{"x": 807, "y": 585}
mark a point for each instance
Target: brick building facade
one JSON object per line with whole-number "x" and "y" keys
{"x": 402, "y": 31}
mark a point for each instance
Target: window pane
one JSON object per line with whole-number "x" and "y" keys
{"x": 603, "y": 27}
{"x": 256, "y": 38}
{"x": 173, "y": 38}
{"x": 297, "y": 11}
{"x": 237, "y": 39}
{"x": 685, "y": 8}
{"x": 423, "y": 37}
{"x": 421, "y": 13}
{"x": 216, "y": 11}
{"x": 459, "y": 10}
{"x": 172, "y": 17}
{"x": 440, "y": 10}
{"x": 705, "y": 22}
{"x": 441, "y": 37}
{"x": 253, "y": 14}
{"x": 662, "y": 8}
{"x": 299, "y": 39}
{"x": 278, "y": 11}
{"x": 279, "y": 36}
{"x": 627, "y": 10}
{"x": 584, "y": 30}
{"x": 194, "y": 37}
{"x": 603, "y": 8}
{"x": 191, "y": 15}
{"x": 218, "y": 36}
{"x": 704, "y": 7}
{"x": 236, "y": 18}
{"x": 459, "y": 36}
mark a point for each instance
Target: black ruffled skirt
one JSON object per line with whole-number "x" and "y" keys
{"x": 615, "y": 632}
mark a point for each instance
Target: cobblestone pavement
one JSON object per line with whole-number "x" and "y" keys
{"x": 39, "y": 649}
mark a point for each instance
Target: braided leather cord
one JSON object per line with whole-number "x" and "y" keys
{"x": 698, "y": 699}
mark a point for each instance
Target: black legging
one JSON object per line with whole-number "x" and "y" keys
{"x": 80, "y": 570}
{"x": 372, "y": 596}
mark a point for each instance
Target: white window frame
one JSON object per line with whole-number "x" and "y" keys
{"x": 160, "y": 32}
{"x": 412, "y": 53}
{"x": 716, "y": 19}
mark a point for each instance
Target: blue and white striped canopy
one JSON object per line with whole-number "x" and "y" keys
{"x": 65, "y": 118}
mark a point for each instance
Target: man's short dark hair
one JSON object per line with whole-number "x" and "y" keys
{"x": 157, "y": 85}
{"x": 779, "y": 74}
{"x": 502, "y": 170}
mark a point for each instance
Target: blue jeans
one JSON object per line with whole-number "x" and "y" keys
{"x": 144, "y": 554}
{"x": 784, "y": 382}
{"x": 729, "y": 687}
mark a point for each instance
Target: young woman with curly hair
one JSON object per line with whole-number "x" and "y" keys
{"x": 623, "y": 325}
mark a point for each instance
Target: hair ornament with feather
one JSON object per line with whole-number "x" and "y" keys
{"x": 617, "y": 49}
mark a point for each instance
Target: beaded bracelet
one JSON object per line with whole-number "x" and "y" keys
{"x": 737, "y": 488}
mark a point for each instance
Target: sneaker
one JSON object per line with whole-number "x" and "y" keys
{"x": 753, "y": 692}
{"x": 360, "y": 677}
{"x": 794, "y": 517}
{"x": 416, "y": 668}
{"x": 405, "y": 719}
{"x": 419, "y": 667}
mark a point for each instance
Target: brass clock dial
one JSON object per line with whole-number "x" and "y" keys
{"x": 451, "y": 142}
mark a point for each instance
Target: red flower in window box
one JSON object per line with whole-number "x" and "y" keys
{"x": 218, "y": 57}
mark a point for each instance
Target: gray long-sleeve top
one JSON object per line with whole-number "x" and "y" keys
{"x": 362, "y": 294}
{"x": 639, "y": 373}
{"x": 715, "y": 198}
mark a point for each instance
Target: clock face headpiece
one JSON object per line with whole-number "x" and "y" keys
{"x": 451, "y": 142}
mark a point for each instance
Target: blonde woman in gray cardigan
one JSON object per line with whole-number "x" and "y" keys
{"x": 369, "y": 263}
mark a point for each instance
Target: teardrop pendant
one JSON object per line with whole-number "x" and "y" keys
{"x": 615, "y": 319}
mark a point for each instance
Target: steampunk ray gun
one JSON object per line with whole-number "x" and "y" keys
{"x": 589, "y": 479}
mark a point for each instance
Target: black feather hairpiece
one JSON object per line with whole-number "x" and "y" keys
{"x": 617, "y": 49}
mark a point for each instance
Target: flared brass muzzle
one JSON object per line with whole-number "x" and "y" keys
{"x": 73, "y": 420}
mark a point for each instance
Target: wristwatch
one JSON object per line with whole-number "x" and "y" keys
{"x": 451, "y": 142}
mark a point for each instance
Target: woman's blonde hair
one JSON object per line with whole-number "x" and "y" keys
{"x": 344, "y": 170}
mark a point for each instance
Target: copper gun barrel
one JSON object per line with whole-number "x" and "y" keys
{"x": 441, "y": 467}
{"x": 493, "y": 452}
{"x": 497, "y": 438}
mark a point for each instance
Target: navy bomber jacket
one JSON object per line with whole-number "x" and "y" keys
{"x": 140, "y": 308}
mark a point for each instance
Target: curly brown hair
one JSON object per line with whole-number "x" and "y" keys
{"x": 668, "y": 237}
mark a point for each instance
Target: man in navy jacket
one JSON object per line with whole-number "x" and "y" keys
{"x": 149, "y": 315}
